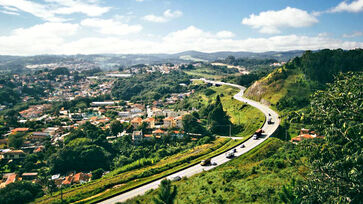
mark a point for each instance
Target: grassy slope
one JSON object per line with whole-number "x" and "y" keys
{"x": 242, "y": 180}
{"x": 270, "y": 89}
{"x": 251, "y": 118}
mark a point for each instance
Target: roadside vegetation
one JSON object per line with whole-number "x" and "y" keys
{"x": 256, "y": 176}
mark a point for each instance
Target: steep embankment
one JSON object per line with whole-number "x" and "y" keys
{"x": 279, "y": 85}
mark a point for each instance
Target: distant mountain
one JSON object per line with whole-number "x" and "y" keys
{"x": 108, "y": 61}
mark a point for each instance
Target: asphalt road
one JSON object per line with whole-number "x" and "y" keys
{"x": 269, "y": 129}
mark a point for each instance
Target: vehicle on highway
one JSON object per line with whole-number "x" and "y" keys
{"x": 214, "y": 163}
{"x": 243, "y": 146}
{"x": 255, "y": 137}
{"x": 259, "y": 132}
{"x": 205, "y": 162}
{"x": 230, "y": 154}
{"x": 269, "y": 121}
{"x": 176, "y": 178}
{"x": 234, "y": 150}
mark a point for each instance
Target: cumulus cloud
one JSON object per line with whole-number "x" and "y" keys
{"x": 271, "y": 22}
{"x": 43, "y": 38}
{"x": 167, "y": 16}
{"x": 345, "y": 6}
{"x": 111, "y": 26}
{"x": 56, "y": 38}
{"x": 50, "y": 10}
{"x": 225, "y": 34}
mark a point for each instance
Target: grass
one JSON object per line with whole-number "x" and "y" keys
{"x": 135, "y": 183}
{"x": 130, "y": 179}
{"x": 251, "y": 178}
{"x": 209, "y": 73}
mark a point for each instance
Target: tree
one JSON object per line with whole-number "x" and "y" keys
{"x": 20, "y": 192}
{"x": 218, "y": 119}
{"x": 116, "y": 127}
{"x": 191, "y": 125}
{"x": 16, "y": 140}
{"x": 96, "y": 174}
{"x": 336, "y": 162}
{"x": 166, "y": 195}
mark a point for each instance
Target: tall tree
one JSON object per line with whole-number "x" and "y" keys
{"x": 166, "y": 194}
{"x": 336, "y": 162}
{"x": 218, "y": 119}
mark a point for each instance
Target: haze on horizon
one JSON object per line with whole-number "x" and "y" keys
{"x": 163, "y": 26}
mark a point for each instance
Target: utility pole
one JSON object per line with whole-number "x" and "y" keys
{"x": 230, "y": 130}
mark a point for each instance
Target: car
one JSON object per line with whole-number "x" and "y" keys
{"x": 243, "y": 146}
{"x": 176, "y": 178}
{"x": 269, "y": 114}
{"x": 255, "y": 137}
{"x": 214, "y": 163}
{"x": 229, "y": 155}
{"x": 234, "y": 150}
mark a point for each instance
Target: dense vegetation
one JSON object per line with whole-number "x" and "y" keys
{"x": 247, "y": 62}
{"x": 149, "y": 87}
{"x": 254, "y": 177}
{"x": 336, "y": 162}
{"x": 20, "y": 192}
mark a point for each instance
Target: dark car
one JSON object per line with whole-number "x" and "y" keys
{"x": 176, "y": 178}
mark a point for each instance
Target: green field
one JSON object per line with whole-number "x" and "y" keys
{"x": 209, "y": 73}
{"x": 255, "y": 177}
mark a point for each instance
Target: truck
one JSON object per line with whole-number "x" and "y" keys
{"x": 205, "y": 162}
{"x": 257, "y": 134}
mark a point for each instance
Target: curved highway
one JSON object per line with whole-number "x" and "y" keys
{"x": 268, "y": 129}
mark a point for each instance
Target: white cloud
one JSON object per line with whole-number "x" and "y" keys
{"x": 167, "y": 16}
{"x": 10, "y": 12}
{"x": 51, "y": 9}
{"x": 43, "y": 38}
{"x": 270, "y": 22}
{"x": 225, "y": 34}
{"x": 57, "y": 38}
{"x": 111, "y": 26}
{"x": 354, "y": 7}
{"x": 353, "y": 35}
{"x": 71, "y": 6}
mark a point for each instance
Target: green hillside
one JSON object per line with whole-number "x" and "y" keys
{"x": 254, "y": 177}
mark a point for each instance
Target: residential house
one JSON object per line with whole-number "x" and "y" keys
{"x": 15, "y": 130}
{"x": 10, "y": 178}
{"x": 39, "y": 136}
{"x": 305, "y": 134}
{"x": 179, "y": 122}
{"x": 136, "y": 122}
{"x": 29, "y": 176}
{"x": 148, "y": 137}
{"x": 150, "y": 122}
{"x": 158, "y": 133}
{"x": 168, "y": 122}
{"x": 81, "y": 178}
{"x": 13, "y": 154}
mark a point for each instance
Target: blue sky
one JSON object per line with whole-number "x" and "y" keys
{"x": 165, "y": 26}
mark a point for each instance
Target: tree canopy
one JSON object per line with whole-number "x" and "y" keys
{"x": 336, "y": 162}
